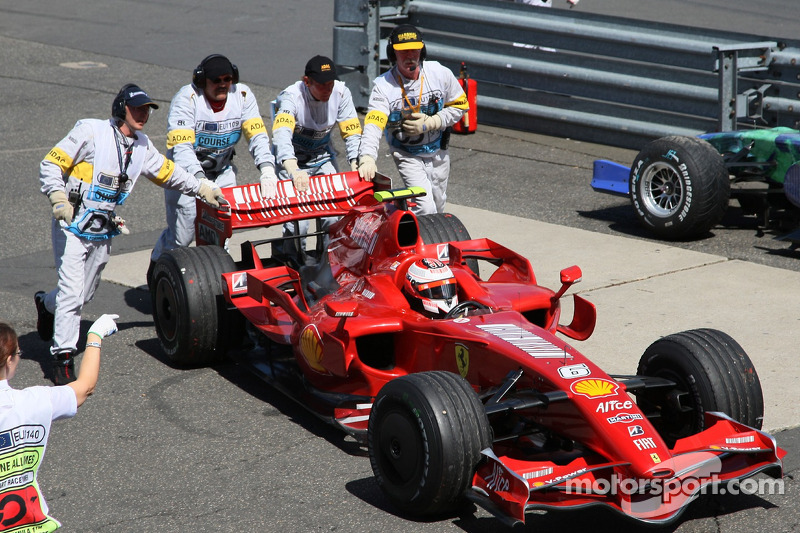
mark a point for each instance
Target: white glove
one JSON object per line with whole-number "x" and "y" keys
{"x": 269, "y": 182}
{"x": 104, "y": 326}
{"x": 208, "y": 182}
{"x": 353, "y": 164}
{"x": 62, "y": 209}
{"x": 119, "y": 222}
{"x": 210, "y": 195}
{"x": 367, "y": 167}
{"x": 299, "y": 177}
{"x": 419, "y": 123}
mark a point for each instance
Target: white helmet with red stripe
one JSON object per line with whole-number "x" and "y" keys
{"x": 431, "y": 286}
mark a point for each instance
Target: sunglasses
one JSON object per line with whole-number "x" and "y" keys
{"x": 222, "y": 79}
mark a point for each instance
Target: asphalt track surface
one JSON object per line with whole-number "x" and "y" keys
{"x": 160, "y": 448}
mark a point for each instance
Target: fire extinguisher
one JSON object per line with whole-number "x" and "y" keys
{"x": 468, "y": 122}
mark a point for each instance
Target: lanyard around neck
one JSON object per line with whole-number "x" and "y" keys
{"x": 119, "y": 138}
{"x": 399, "y": 81}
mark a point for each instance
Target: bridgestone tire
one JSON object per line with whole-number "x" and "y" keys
{"x": 444, "y": 227}
{"x": 712, "y": 373}
{"x": 679, "y": 187}
{"x": 425, "y": 435}
{"x": 189, "y": 311}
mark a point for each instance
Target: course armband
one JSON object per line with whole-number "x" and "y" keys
{"x": 253, "y": 127}
{"x": 60, "y": 158}
{"x": 459, "y": 103}
{"x": 350, "y": 127}
{"x": 83, "y": 171}
{"x": 176, "y": 137}
{"x": 167, "y": 169}
{"x": 377, "y": 118}
{"x": 283, "y": 120}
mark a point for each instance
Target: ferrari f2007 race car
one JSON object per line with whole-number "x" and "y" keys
{"x": 680, "y": 187}
{"x": 443, "y": 355}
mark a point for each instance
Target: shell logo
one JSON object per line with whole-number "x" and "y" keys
{"x": 311, "y": 348}
{"x": 594, "y": 388}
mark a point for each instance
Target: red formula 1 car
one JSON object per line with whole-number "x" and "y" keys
{"x": 479, "y": 398}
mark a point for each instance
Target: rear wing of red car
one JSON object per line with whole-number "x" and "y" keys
{"x": 327, "y": 195}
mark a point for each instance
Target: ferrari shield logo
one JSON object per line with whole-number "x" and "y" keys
{"x": 462, "y": 360}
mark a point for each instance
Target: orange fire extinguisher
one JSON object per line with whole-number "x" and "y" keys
{"x": 468, "y": 122}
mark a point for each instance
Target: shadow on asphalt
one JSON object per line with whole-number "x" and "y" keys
{"x": 244, "y": 379}
{"x": 596, "y": 520}
{"x": 139, "y": 300}
{"x": 35, "y": 349}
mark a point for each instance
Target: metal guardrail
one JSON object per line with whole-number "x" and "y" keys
{"x": 603, "y": 79}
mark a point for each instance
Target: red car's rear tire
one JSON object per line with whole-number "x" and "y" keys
{"x": 189, "y": 311}
{"x": 444, "y": 227}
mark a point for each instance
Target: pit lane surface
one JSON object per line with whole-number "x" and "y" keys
{"x": 159, "y": 448}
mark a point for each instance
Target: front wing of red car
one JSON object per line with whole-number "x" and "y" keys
{"x": 710, "y": 462}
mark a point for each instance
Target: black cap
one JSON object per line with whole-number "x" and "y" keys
{"x": 134, "y": 96}
{"x": 217, "y": 65}
{"x": 321, "y": 69}
{"x": 406, "y": 37}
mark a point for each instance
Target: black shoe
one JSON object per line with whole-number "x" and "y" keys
{"x": 44, "y": 322}
{"x": 64, "y": 368}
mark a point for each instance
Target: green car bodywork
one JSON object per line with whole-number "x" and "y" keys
{"x": 778, "y": 147}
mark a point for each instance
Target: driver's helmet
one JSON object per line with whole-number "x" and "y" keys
{"x": 430, "y": 287}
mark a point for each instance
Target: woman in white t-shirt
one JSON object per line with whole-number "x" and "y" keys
{"x": 25, "y": 417}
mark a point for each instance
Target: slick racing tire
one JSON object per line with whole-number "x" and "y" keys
{"x": 679, "y": 187}
{"x": 444, "y": 227}
{"x": 191, "y": 318}
{"x": 711, "y": 372}
{"x": 425, "y": 435}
